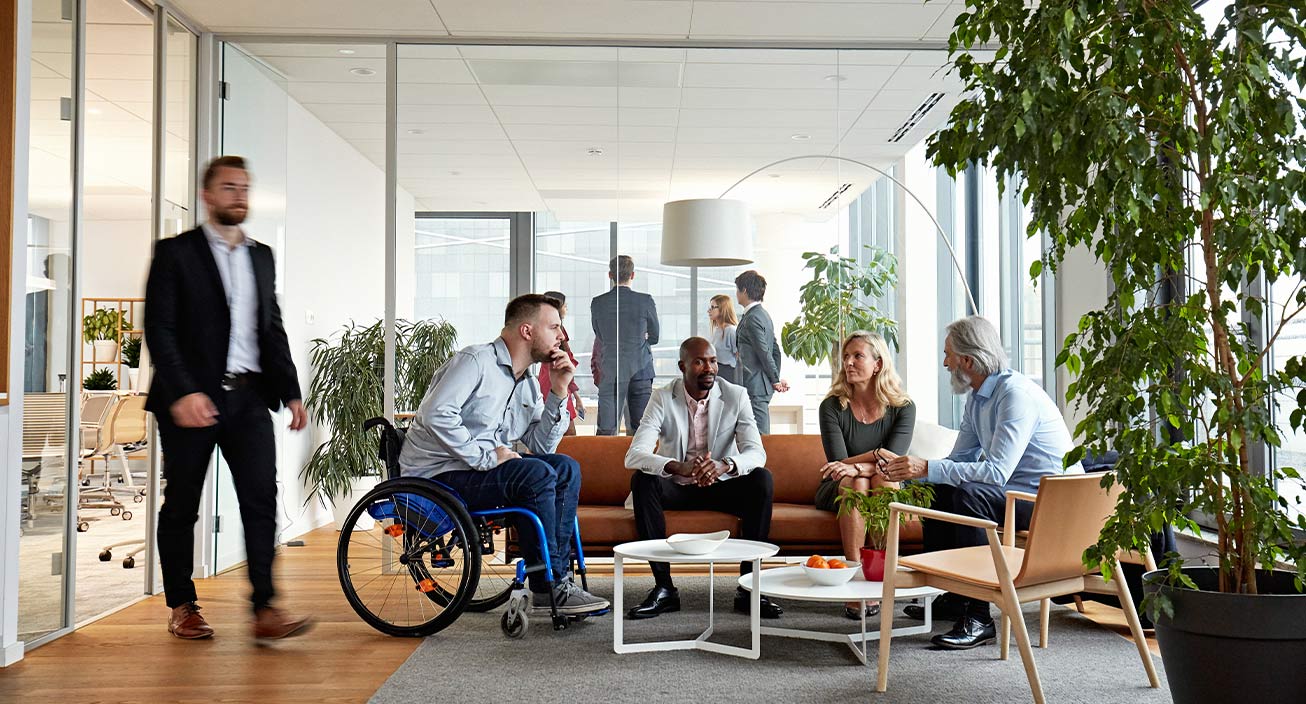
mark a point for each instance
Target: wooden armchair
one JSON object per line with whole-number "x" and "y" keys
{"x": 1073, "y": 508}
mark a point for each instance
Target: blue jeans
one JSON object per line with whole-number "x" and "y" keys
{"x": 548, "y": 486}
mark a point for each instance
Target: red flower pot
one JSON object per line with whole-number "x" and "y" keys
{"x": 873, "y": 564}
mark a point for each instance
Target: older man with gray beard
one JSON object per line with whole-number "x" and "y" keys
{"x": 1012, "y": 435}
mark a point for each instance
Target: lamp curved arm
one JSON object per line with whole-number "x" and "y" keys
{"x": 974, "y": 309}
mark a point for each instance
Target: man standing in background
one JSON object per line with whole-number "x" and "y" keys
{"x": 625, "y": 327}
{"x": 759, "y": 353}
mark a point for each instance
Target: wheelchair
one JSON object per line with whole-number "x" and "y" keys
{"x": 412, "y": 557}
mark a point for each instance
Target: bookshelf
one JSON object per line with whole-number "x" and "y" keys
{"x": 131, "y": 321}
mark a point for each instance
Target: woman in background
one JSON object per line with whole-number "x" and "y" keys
{"x": 721, "y": 333}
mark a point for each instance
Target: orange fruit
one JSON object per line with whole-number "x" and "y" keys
{"x": 817, "y": 561}
{"x": 837, "y": 564}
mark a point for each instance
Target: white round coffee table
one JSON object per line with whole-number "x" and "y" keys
{"x": 792, "y": 583}
{"x": 731, "y": 551}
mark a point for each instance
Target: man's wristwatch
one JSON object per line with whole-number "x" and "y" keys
{"x": 734, "y": 468}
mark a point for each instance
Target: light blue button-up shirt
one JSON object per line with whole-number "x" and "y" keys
{"x": 236, "y": 267}
{"x": 1012, "y": 434}
{"x": 475, "y": 404}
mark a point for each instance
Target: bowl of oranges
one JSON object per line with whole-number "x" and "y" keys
{"x": 831, "y": 572}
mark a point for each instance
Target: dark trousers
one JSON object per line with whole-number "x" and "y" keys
{"x": 632, "y": 393}
{"x": 978, "y": 500}
{"x": 244, "y": 434}
{"x": 547, "y": 485}
{"x": 748, "y": 497}
{"x": 761, "y": 413}
{"x": 726, "y": 371}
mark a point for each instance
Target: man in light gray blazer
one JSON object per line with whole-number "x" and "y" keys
{"x": 759, "y": 354}
{"x": 708, "y": 457}
{"x": 626, "y": 327}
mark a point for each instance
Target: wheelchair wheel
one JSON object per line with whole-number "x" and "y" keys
{"x": 413, "y": 571}
{"x": 498, "y": 571}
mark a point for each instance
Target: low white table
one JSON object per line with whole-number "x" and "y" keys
{"x": 731, "y": 551}
{"x": 792, "y": 583}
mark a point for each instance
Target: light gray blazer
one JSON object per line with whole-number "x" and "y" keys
{"x": 759, "y": 354}
{"x": 732, "y": 432}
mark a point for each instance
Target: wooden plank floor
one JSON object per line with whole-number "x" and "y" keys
{"x": 129, "y": 657}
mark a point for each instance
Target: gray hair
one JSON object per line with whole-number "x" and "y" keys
{"x": 975, "y": 337}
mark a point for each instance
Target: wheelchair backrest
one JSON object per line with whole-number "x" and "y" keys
{"x": 391, "y": 443}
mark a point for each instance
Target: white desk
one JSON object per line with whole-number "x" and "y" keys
{"x": 731, "y": 551}
{"x": 792, "y": 583}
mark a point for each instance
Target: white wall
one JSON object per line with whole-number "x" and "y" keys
{"x": 919, "y": 250}
{"x": 1082, "y": 285}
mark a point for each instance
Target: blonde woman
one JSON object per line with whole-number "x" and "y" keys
{"x": 866, "y": 411}
{"x": 721, "y": 333}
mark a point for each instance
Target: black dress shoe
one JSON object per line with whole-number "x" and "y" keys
{"x": 659, "y": 601}
{"x": 966, "y": 634}
{"x": 946, "y": 607}
{"x": 766, "y": 607}
{"x": 853, "y": 613}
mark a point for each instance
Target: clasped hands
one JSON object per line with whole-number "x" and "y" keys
{"x": 703, "y": 470}
{"x": 887, "y": 465}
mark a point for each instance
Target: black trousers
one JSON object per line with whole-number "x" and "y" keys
{"x": 748, "y": 497}
{"x": 244, "y": 433}
{"x": 978, "y": 500}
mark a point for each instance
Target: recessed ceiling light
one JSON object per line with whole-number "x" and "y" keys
{"x": 455, "y": 173}
{"x": 594, "y": 151}
{"x": 837, "y": 78}
{"x": 94, "y": 111}
{"x": 346, "y": 52}
{"x": 416, "y": 131}
{"x": 800, "y": 137}
{"x": 362, "y": 71}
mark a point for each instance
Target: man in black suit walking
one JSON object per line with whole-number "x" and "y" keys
{"x": 221, "y": 361}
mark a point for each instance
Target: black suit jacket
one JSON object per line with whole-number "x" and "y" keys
{"x": 188, "y": 324}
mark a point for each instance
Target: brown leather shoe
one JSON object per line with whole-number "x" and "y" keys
{"x": 187, "y": 623}
{"x": 274, "y": 624}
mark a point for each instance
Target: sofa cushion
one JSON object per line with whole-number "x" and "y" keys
{"x": 604, "y": 479}
{"x": 794, "y": 461}
{"x": 794, "y": 523}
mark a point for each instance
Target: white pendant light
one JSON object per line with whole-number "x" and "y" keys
{"x": 706, "y": 232}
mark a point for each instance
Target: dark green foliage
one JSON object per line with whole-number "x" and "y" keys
{"x": 834, "y": 304}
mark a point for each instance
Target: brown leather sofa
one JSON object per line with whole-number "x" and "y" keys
{"x": 798, "y": 527}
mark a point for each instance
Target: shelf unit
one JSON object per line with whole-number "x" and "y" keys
{"x": 130, "y": 310}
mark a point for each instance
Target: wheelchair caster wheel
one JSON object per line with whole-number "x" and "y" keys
{"x": 128, "y": 562}
{"x": 114, "y": 511}
{"x": 514, "y": 624}
{"x": 126, "y": 515}
{"x": 105, "y": 556}
{"x": 83, "y": 527}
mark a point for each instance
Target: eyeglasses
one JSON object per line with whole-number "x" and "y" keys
{"x": 713, "y": 307}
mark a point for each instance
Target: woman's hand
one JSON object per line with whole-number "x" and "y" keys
{"x": 838, "y": 470}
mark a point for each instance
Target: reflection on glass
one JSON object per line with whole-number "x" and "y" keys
{"x": 461, "y": 272}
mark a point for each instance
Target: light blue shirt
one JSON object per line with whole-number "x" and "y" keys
{"x": 1012, "y": 434}
{"x": 475, "y": 404}
{"x": 723, "y": 339}
{"x": 236, "y": 267}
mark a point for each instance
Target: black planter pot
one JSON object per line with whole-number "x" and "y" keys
{"x": 1233, "y": 647}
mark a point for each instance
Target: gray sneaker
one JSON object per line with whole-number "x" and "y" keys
{"x": 571, "y": 600}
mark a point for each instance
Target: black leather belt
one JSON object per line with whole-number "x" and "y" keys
{"x": 232, "y": 381}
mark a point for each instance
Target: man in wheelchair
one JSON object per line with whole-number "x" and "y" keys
{"x": 479, "y": 403}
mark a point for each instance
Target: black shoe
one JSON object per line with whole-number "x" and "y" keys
{"x": 946, "y": 607}
{"x": 766, "y": 607}
{"x": 966, "y": 634}
{"x": 872, "y": 610}
{"x": 659, "y": 601}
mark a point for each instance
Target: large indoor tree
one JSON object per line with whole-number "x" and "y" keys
{"x": 1173, "y": 151}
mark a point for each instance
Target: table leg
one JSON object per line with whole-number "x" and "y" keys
{"x": 711, "y": 596}
{"x": 755, "y": 610}
{"x": 618, "y": 613}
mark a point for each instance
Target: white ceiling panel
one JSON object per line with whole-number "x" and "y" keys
{"x": 826, "y": 77}
{"x": 764, "y": 99}
{"x": 814, "y": 20}
{"x": 344, "y": 93}
{"x": 434, "y": 71}
{"x": 797, "y": 119}
{"x": 316, "y": 16}
{"x": 612, "y": 18}
{"x": 433, "y": 94}
{"x": 330, "y": 51}
{"x": 535, "y": 114}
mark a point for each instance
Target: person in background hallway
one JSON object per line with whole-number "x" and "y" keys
{"x": 1012, "y": 435}
{"x": 759, "y": 353}
{"x": 721, "y": 316}
{"x": 221, "y": 362}
{"x": 626, "y": 325}
{"x": 575, "y": 406}
{"x": 480, "y": 403}
{"x": 865, "y": 411}
{"x": 708, "y": 457}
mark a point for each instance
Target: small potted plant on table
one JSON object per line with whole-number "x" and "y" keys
{"x": 873, "y": 506}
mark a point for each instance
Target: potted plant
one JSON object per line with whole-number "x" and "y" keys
{"x": 834, "y": 304}
{"x": 1172, "y": 151}
{"x": 873, "y": 506}
{"x": 102, "y": 329}
{"x": 100, "y": 379}
{"x": 347, "y": 387}
{"x": 131, "y": 357}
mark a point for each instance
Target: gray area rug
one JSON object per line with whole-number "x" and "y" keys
{"x": 471, "y": 661}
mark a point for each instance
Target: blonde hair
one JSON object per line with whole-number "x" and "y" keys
{"x": 886, "y": 384}
{"x": 725, "y": 311}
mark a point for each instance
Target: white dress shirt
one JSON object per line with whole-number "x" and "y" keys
{"x": 236, "y": 267}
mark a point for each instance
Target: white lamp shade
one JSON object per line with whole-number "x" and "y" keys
{"x": 706, "y": 232}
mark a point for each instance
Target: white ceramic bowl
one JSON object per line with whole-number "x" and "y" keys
{"x": 831, "y": 577}
{"x": 697, "y": 543}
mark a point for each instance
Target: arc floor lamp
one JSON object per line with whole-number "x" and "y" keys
{"x": 717, "y": 231}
